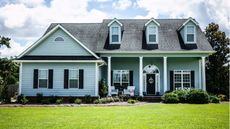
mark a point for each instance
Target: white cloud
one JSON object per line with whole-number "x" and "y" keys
{"x": 31, "y": 3}
{"x": 202, "y": 10}
{"x": 102, "y": 1}
{"x": 122, "y": 4}
{"x": 16, "y": 49}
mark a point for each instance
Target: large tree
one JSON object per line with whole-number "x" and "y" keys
{"x": 217, "y": 66}
{"x": 4, "y": 41}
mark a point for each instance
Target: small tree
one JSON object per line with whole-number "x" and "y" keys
{"x": 103, "y": 89}
{"x": 217, "y": 64}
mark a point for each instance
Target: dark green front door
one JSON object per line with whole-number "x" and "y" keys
{"x": 150, "y": 79}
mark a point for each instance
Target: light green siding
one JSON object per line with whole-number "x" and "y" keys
{"x": 67, "y": 47}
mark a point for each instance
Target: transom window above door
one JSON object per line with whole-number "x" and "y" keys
{"x": 121, "y": 77}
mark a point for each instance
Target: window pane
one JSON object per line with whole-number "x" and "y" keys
{"x": 43, "y": 74}
{"x": 186, "y": 85}
{"x": 152, "y": 38}
{"x": 114, "y": 38}
{"x": 114, "y": 30}
{"x": 125, "y": 78}
{"x": 116, "y": 76}
{"x": 177, "y": 86}
{"x": 152, "y": 30}
{"x": 190, "y": 37}
{"x": 42, "y": 83}
{"x": 190, "y": 29}
{"x": 177, "y": 78}
{"x": 73, "y": 74}
{"x": 73, "y": 83}
{"x": 186, "y": 78}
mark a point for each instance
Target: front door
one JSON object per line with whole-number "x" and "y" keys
{"x": 150, "y": 84}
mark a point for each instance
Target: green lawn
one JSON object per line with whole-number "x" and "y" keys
{"x": 175, "y": 116}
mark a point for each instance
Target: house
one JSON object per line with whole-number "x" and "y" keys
{"x": 152, "y": 55}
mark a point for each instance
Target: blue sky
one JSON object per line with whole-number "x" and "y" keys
{"x": 24, "y": 21}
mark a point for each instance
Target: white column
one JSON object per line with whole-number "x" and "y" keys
{"x": 203, "y": 73}
{"x": 165, "y": 74}
{"x": 200, "y": 74}
{"x": 109, "y": 76}
{"x": 96, "y": 79}
{"x": 20, "y": 80}
{"x": 141, "y": 76}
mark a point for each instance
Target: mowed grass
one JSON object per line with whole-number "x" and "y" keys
{"x": 153, "y": 116}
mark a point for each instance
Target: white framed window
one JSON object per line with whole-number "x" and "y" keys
{"x": 182, "y": 79}
{"x": 152, "y": 34}
{"x": 115, "y": 34}
{"x": 190, "y": 34}
{"x": 43, "y": 78}
{"x": 121, "y": 77}
{"x": 73, "y": 78}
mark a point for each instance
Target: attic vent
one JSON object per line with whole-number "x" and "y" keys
{"x": 59, "y": 39}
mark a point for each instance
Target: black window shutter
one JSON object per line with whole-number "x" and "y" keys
{"x": 131, "y": 78}
{"x": 50, "y": 79}
{"x": 171, "y": 80}
{"x": 111, "y": 77}
{"x": 35, "y": 78}
{"x": 192, "y": 79}
{"x": 66, "y": 78}
{"x": 81, "y": 78}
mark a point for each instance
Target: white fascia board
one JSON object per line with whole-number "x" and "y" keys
{"x": 166, "y": 52}
{"x": 60, "y": 61}
{"x": 152, "y": 20}
{"x": 48, "y": 34}
{"x": 189, "y": 19}
{"x": 114, "y": 20}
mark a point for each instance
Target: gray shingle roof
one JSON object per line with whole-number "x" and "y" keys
{"x": 94, "y": 35}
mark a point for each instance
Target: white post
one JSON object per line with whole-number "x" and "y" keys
{"x": 203, "y": 73}
{"x": 96, "y": 79}
{"x": 109, "y": 76}
{"x": 200, "y": 74}
{"x": 20, "y": 80}
{"x": 165, "y": 74}
{"x": 141, "y": 76}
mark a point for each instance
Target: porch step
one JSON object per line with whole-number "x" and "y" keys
{"x": 152, "y": 98}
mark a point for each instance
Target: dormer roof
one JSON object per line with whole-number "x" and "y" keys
{"x": 152, "y": 20}
{"x": 188, "y": 20}
{"x": 114, "y": 20}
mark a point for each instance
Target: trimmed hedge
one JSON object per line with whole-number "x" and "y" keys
{"x": 197, "y": 96}
{"x": 170, "y": 98}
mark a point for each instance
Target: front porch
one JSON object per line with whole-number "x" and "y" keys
{"x": 152, "y": 76}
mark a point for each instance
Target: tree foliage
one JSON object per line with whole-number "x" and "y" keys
{"x": 4, "y": 41}
{"x": 217, "y": 66}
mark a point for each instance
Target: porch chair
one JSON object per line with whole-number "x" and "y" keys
{"x": 129, "y": 91}
{"x": 114, "y": 91}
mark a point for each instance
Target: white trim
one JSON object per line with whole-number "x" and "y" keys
{"x": 188, "y": 20}
{"x": 110, "y": 34}
{"x": 203, "y": 74}
{"x": 77, "y": 71}
{"x": 158, "y": 52}
{"x": 48, "y": 34}
{"x": 141, "y": 76}
{"x": 120, "y": 71}
{"x": 186, "y": 33}
{"x": 200, "y": 74}
{"x": 60, "y": 61}
{"x": 152, "y": 20}
{"x": 115, "y": 20}
{"x": 20, "y": 80}
{"x": 109, "y": 76}
{"x": 165, "y": 73}
{"x": 182, "y": 78}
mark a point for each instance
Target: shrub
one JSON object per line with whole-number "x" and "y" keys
{"x": 116, "y": 99}
{"x": 78, "y": 101}
{"x": 24, "y": 100}
{"x": 72, "y": 99}
{"x": 45, "y": 101}
{"x": 109, "y": 99}
{"x": 53, "y": 99}
{"x": 214, "y": 99}
{"x": 103, "y": 89}
{"x": 103, "y": 100}
{"x": 222, "y": 97}
{"x": 182, "y": 95}
{"x": 197, "y": 96}
{"x": 170, "y": 98}
{"x": 87, "y": 99}
{"x": 97, "y": 101}
{"x": 39, "y": 97}
{"x": 19, "y": 98}
{"x": 59, "y": 101}
{"x": 132, "y": 101}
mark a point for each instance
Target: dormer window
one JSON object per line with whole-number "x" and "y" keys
{"x": 152, "y": 34}
{"x": 115, "y": 34}
{"x": 190, "y": 34}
